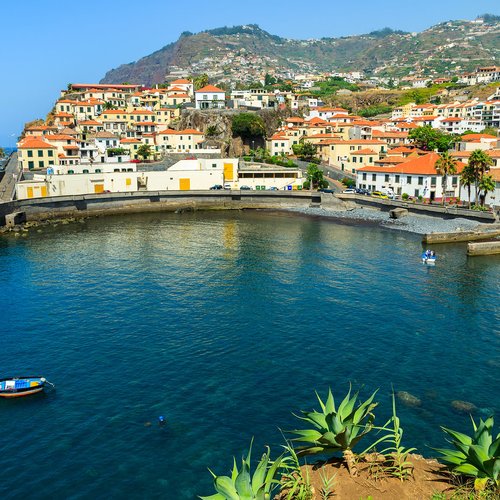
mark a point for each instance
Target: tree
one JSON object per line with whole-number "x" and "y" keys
{"x": 144, "y": 150}
{"x": 467, "y": 178}
{"x": 480, "y": 162}
{"x": 2, "y": 152}
{"x": 200, "y": 81}
{"x": 430, "y": 139}
{"x": 248, "y": 125}
{"x": 305, "y": 150}
{"x": 490, "y": 131}
{"x": 109, "y": 105}
{"x": 269, "y": 80}
{"x": 212, "y": 131}
{"x": 486, "y": 185}
{"x": 445, "y": 165}
{"x": 315, "y": 177}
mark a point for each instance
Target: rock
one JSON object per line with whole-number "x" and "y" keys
{"x": 398, "y": 213}
{"x": 408, "y": 399}
{"x": 463, "y": 406}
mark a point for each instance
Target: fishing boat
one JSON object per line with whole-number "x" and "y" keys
{"x": 16, "y": 387}
{"x": 428, "y": 259}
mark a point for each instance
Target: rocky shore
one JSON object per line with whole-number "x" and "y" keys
{"x": 419, "y": 224}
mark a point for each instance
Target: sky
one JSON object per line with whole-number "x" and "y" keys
{"x": 44, "y": 45}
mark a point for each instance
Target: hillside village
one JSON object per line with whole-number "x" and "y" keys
{"x": 109, "y": 134}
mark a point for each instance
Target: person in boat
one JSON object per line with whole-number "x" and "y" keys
{"x": 427, "y": 254}
{"x": 433, "y": 254}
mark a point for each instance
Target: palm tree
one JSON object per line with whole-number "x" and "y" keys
{"x": 109, "y": 105}
{"x": 467, "y": 178}
{"x": 480, "y": 162}
{"x": 445, "y": 165}
{"x": 486, "y": 184}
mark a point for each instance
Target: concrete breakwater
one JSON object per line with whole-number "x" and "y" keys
{"x": 115, "y": 203}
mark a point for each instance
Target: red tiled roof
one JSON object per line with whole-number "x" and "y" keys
{"x": 476, "y": 137}
{"x": 35, "y": 143}
{"x": 209, "y": 89}
{"x": 422, "y": 165}
{"x": 365, "y": 151}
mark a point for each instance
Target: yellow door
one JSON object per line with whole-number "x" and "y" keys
{"x": 43, "y": 191}
{"x": 228, "y": 172}
{"x": 98, "y": 188}
{"x": 184, "y": 184}
{"x": 29, "y": 192}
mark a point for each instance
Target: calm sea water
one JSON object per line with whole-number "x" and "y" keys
{"x": 225, "y": 323}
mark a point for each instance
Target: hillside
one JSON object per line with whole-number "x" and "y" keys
{"x": 246, "y": 53}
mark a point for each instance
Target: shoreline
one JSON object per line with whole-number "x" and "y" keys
{"x": 416, "y": 224}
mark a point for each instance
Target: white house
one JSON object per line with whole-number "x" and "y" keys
{"x": 210, "y": 97}
{"x": 416, "y": 177}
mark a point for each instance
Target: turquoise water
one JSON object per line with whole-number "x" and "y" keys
{"x": 225, "y": 323}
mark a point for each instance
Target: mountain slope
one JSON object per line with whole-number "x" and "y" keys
{"x": 248, "y": 52}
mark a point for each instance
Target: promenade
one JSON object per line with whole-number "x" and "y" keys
{"x": 8, "y": 182}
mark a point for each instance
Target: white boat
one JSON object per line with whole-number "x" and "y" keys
{"x": 430, "y": 260}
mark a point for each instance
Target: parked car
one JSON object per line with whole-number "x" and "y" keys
{"x": 245, "y": 188}
{"x": 326, "y": 190}
{"x": 378, "y": 194}
{"x": 227, "y": 186}
{"x": 217, "y": 186}
{"x": 272, "y": 188}
{"x": 363, "y": 191}
{"x": 349, "y": 191}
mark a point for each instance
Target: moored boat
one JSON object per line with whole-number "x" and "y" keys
{"x": 15, "y": 387}
{"x": 429, "y": 259}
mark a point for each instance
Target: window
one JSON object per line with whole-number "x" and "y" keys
{"x": 396, "y": 178}
{"x": 371, "y": 159}
{"x": 433, "y": 182}
{"x": 41, "y": 164}
{"x": 408, "y": 179}
{"x": 98, "y": 170}
{"x": 374, "y": 177}
{"x": 352, "y": 148}
{"x": 386, "y": 178}
{"x": 85, "y": 171}
{"x": 31, "y": 164}
{"x": 30, "y": 153}
{"x": 51, "y": 162}
{"x": 71, "y": 171}
{"x": 364, "y": 177}
{"x": 40, "y": 153}
{"x": 420, "y": 181}
{"x": 454, "y": 181}
{"x": 417, "y": 192}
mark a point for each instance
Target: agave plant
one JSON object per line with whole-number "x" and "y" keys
{"x": 396, "y": 461}
{"x": 244, "y": 486}
{"x": 477, "y": 456}
{"x": 336, "y": 429}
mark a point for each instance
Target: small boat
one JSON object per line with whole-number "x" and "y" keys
{"x": 16, "y": 387}
{"x": 430, "y": 260}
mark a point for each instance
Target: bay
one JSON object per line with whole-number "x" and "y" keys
{"x": 225, "y": 323}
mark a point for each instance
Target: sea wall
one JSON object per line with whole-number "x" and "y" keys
{"x": 446, "y": 212}
{"x": 142, "y": 201}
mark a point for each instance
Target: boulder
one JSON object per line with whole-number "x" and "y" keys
{"x": 398, "y": 213}
{"x": 463, "y": 406}
{"x": 408, "y": 399}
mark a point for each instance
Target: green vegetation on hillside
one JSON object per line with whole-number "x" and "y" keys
{"x": 330, "y": 87}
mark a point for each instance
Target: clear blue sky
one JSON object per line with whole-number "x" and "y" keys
{"x": 47, "y": 44}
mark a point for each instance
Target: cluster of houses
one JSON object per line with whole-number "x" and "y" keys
{"x": 102, "y": 130}
{"x": 379, "y": 153}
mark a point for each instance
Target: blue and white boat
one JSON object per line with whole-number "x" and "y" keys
{"x": 15, "y": 387}
{"x": 429, "y": 258}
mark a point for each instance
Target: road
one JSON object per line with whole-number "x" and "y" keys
{"x": 8, "y": 183}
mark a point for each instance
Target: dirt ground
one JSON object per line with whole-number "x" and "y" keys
{"x": 429, "y": 477}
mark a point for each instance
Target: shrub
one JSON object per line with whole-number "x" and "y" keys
{"x": 477, "y": 456}
{"x": 405, "y": 196}
{"x": 346, "y": 181}
{"x": 336, "y": 429}
{"x": 241, "y": 485}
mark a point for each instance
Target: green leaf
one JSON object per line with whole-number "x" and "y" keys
{"x": 461, "y": 438}
{"x": 243, "y": 485}
{"x": 225, "y": 486}
{"x": 330, "y": 403}
{"x": 467, "y": 469}
{"x": 260, "y": 472}
{"x": 217, "y": 496}
{"x": 310, "y": 435}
